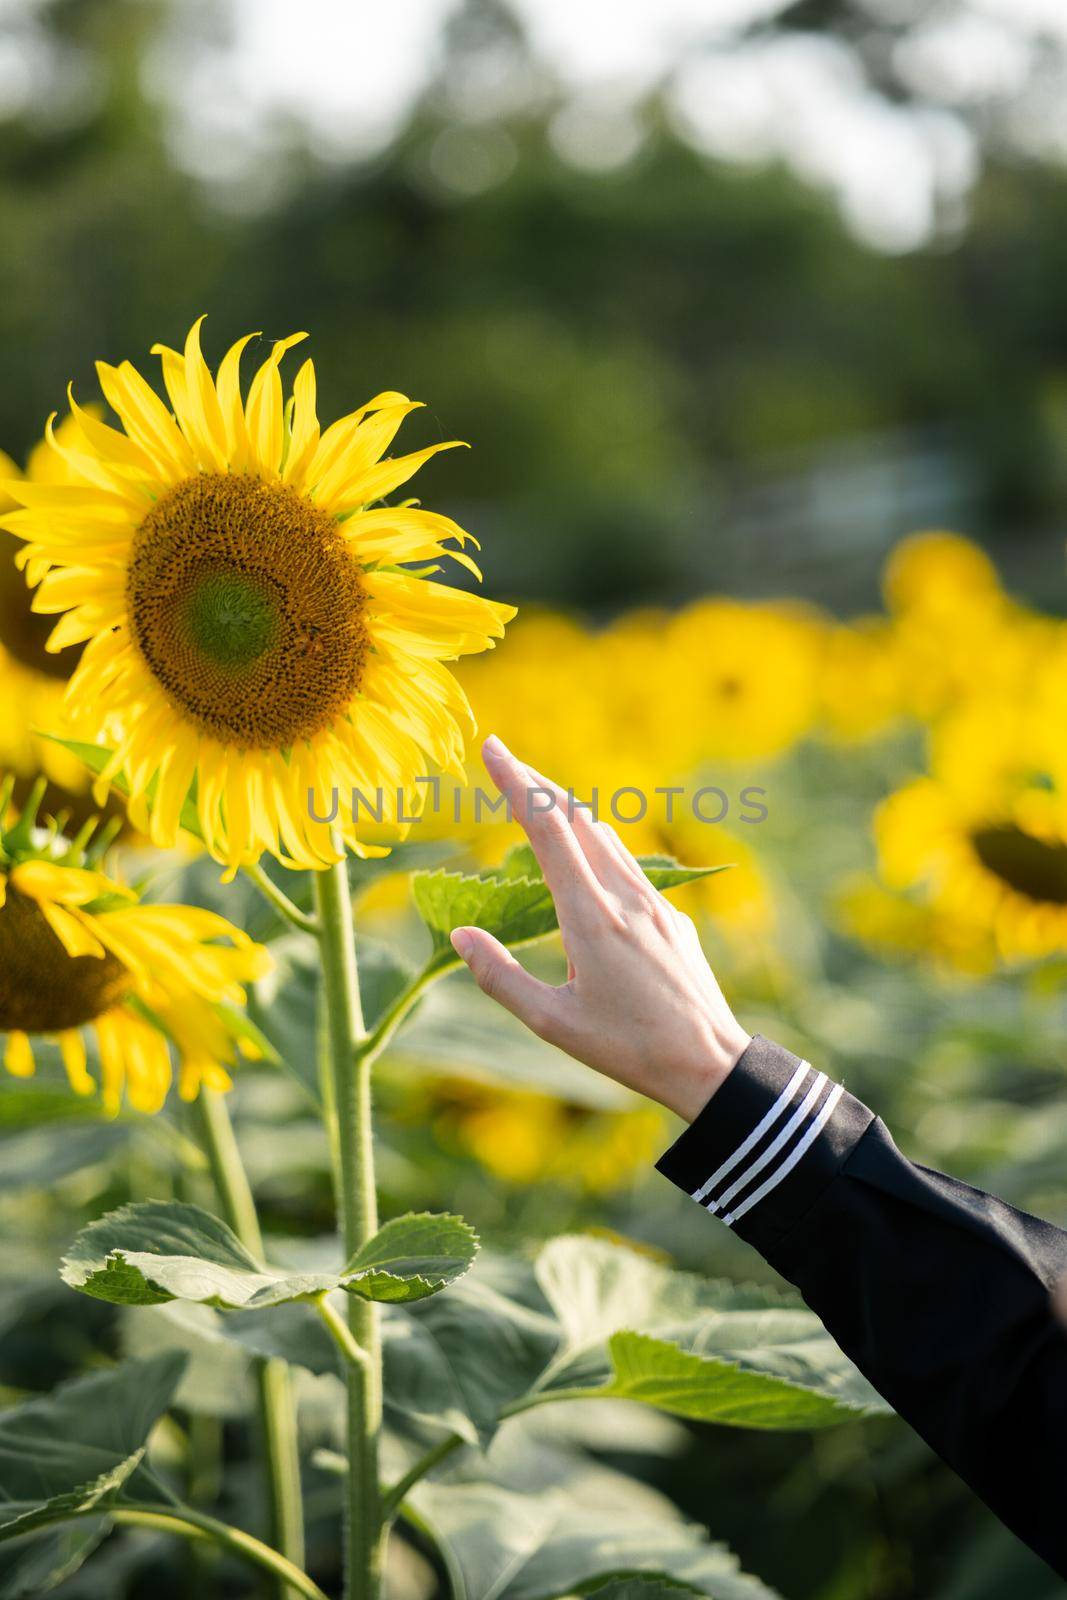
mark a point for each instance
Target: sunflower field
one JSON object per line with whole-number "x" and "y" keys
{"x": 315, "y": 1266}
{"x": 320, "y": 1275}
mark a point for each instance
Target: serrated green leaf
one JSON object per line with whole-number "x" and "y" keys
{"x": 161, "y": 1250}
{"x": 412, "y": 1257}
{"x": 635, "y": 1329}
{"x": 707, "y": 1389}
{"x": 455, "y": 1361}
{"x": 75, "y": 1448}
{"x": 502, "y": 1544}
{"x": 515, "y": 910}
{"x": 662, "y": 872}
{"x": 155, "y": 1251}
{"x": 512, "y": 901}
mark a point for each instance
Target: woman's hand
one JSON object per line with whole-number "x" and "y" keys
{"x": 641, "y": 1003}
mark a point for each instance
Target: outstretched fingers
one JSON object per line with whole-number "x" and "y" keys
{"x": 502, "y": 978}
{"x": 570, "y": 878}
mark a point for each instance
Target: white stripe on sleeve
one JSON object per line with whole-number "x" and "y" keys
{"x": 791, "y": 1160}
{"x": 762, "y": 1127}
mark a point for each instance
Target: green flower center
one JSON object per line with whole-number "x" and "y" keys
{"x": 231, "y": 618}
{"x": 1030, "y": 866}
{"x": 248, "y": 608}
{"x": 42, "y": 989}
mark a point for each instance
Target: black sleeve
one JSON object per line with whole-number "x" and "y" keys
{"x": 939, "y": 1293}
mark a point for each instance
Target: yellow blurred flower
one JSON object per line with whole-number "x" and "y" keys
{"x": 78, "y": 952}
{"x": 957, "y": 634}
{"x": 862, "y": 682}
{"x": 985, "y": 836}
{"x": 524, "y": 1138}
{"x": 32, "y": 681}
{"x": 938, "y": 575}
{"x": 897, "y": 926}
{"x": 742, "y": 679}
{"x": 740, "y": 901}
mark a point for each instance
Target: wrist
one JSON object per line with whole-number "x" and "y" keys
{"x": 690, "y": 1088}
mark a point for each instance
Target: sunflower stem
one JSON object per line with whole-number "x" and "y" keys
{"x": 277, "y": 1409}
{"x": 278, "y": 898}
{"x": 358, "y": 1220}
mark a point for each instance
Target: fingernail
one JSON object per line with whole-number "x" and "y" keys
{"x": 496, "y": 747}
{"x": 462, "y": 943}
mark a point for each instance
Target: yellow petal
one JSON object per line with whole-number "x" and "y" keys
{"x": 18, "y": 1057}
{"x": 265, "y": 413}
{"x": 72, "y": 1049}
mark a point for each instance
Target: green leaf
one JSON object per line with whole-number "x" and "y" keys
{"x": 412, "y": 1257}
{"x": 662, "y": 872}
{"x": 161, "y": 1250}
{"x": 512, "y": 901}
{"x": 155, "y": 1251}
{"x": 501, "y": 1544}
{"x": 453, "y": 1362}
{"x": 515, "y": 910}
{"x": 34, "y": 1563}
{"x": 749, "y": 1357}
{"x": 75, "y": 1448}
{"x": 715, "y": 1390}
{"x": 656, "y": 1587}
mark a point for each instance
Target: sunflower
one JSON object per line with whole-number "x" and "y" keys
{"x": 956, "y": 633}
{"x": 33, "y": 681}
{"x": 744, "y": 679}
{"x": 862, "y": 688}
{"x": 248, "y": 611}
{"x": 80, "y": 954}
{"x": 984, "y": 837}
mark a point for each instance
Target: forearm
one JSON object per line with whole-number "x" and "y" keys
{"x": 938, "y": 1292}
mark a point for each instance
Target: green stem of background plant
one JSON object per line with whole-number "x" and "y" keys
{"x": 192, "y": 1524}
{"x": 277, "y": 1409}
{"x": 358, "y": 1219}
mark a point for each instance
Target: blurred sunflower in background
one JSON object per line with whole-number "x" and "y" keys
{"x": 745, "y": 679}
{"x": 247, "y": 616}
{"x": 522, "y": 1137}
{"x": 33, "y": 679}
{"x": 984, "y": 836}
{"x": 81, "y": 956}
{"x": 862, "y": 680}
{"x": 956, "y": 632}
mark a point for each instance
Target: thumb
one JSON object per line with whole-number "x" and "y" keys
{"x": 503, "y": 979}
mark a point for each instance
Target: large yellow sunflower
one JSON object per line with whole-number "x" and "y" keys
{"x": 79, "y": 953}
{"x": 249, "y": 613}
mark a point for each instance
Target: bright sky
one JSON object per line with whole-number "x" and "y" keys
{"x": 349, "y": 71}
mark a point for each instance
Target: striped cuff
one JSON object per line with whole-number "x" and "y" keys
{"x": 767, "y": 1144}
